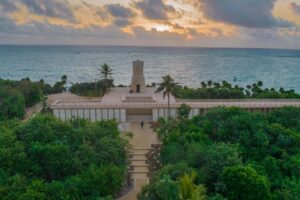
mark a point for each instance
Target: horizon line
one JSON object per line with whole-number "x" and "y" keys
{"x": 144, "y": 46}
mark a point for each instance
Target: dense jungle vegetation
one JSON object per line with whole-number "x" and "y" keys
{"x": 228, "y": 154}
{"x": 15, "y": 96}
{"x": 46, "y": 159}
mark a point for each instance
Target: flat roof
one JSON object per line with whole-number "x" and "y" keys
{"x": 114, "y": 100}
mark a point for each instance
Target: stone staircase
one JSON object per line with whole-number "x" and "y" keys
{"x": 139, "y": 167}
{"x": 139, "y": 172}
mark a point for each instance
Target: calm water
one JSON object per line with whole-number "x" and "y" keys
{"x": 189, "y": 66}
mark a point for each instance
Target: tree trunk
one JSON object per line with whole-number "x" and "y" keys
{"x": 105, "y": 85}
{"x": 168, "y": 106}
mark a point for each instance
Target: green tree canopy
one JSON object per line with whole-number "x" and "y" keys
{"x": 243, "y": 182}
{"x": 12, "y": 104}
{"x": 46, "y": 158}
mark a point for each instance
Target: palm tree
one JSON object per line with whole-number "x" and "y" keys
{"x": 209, "y": 83}
{"x": 188, "y": 190}
{"x": 169, "y": 87}
{"x": 105, "y": 74}
{"x": 203, "y": 84}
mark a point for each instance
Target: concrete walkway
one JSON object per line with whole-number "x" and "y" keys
{"x": 141, "y": 144}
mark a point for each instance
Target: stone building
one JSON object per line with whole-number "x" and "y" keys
{"x": 138, "y": 79}
{"x": 139, "y": 103}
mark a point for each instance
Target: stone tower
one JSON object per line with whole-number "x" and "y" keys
{"x": 138, "y": 79}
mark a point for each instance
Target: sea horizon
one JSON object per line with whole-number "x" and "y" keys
{"x": 188, "y": 65}
{"x": 149, "y": 46}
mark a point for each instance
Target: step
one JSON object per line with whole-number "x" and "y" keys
{"x": 138, "y": 162}
{"x": 138, "y": 157}
{"x": 139, "y": 151}
{"x": 146, "y": 171}
{"x": 142, "y": 168}
{"x": 139, "y": 175}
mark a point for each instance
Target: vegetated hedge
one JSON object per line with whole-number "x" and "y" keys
{"x": 46, "y": 158}
{"x": 224, "y": 90}
{"x": 236, "y": 154}
{"x": 90, "y": 89}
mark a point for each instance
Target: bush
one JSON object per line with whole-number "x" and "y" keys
{"x": 12, "y": 103}
{"x": 31, "y": 91}
{"x": 224, "y": 90}
{"x": 90, "y": 89}
{"x": 244, "y": 183}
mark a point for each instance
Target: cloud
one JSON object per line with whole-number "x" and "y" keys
{"x": 121, "y": 14}
{"x": 295, "y": 8}
{"x": 122, "y": 22}
{"x": 155, "y": 9}
{"x": 6, "y": 24}
{"x": 92, "y": 23}
{"x": 51, "y": 8}
{"x": 118, "y": 10}
{"x": 245, "y": 13}
{"x": 59, "y": 33}
{"x": 8, "y": 6}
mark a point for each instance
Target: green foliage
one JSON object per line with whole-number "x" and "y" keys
{"x": 237, "y": 126}
{"x": 91, "y": 89}
{"x": 30, "y": 90}
{"x": 175, "y": 171}
{"x": 183, "y": 111}
{"x": 46, "y": 158}
{"x": 95, "y": 182}
{"x": 236, "y": 154}
{"x": 225, "y": 90}
{"x": 164, "y": 189}
{"x": 12, "y": 104}
{"x": 244, "y": 183}
{"x": 105, "y": 76}
{"x": 289, "y": 190}
{"x": 168, "y": 87}
{"x": 59, "y": 86}
{"x": 211, "y": 159}
{"x": 181, "y": 187}
{"x": 288, "y": 117}
{"x": 16, "y": 95}
{"x": 188, "y": 190}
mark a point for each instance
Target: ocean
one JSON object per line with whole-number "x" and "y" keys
{"x": 189, "y": 66}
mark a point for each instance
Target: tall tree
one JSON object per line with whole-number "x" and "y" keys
{"x": 169, "y": 87}
{"x": 105, "y": 74}
{"x": 188, "y": 189}
{"x": 243, "y": 182}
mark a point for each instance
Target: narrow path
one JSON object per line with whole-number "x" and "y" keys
{"x": 141, "y": 144}
{"x": 32, "y": 111}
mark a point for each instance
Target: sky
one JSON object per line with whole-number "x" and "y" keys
{"x": 195, "y": 23}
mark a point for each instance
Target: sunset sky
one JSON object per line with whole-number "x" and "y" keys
{"x": 201, "y": 23}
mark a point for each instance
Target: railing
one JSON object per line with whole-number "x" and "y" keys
{"x": 265, "y": 103}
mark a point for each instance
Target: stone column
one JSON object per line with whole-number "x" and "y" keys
{"x": 138, "y": 79}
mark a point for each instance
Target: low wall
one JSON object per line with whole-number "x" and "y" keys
{"x": 91, "y": 114}
{"x": 95, "y": 110}
{"x": 163, "y": 113}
